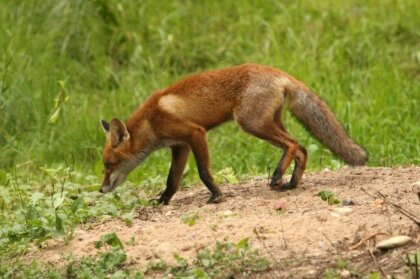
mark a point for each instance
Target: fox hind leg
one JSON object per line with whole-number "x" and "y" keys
{"x": 273, "y": 132}
{"x": 300, "y": 158}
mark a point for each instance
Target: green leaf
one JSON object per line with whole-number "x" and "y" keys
{"x": 111, "y": 239}
{"x": 190, "y": 219}
{"x": 54, "y": 117}
{"x": 3, "y": 177}
{"x": 59, "y": 224}
{"x": 112, "y": 259}
{"x": 243, "y": 244}
{"x": 59, "y": 101}
{"x": 76, "y": 205}
{"x": 374, "y": 275}
{"x": 36, "y": 196}
{"x": 324, "y": 194}
{"x": 128, "y": 218}
{"x": 328, "y": 196}
{"x": 5, "y": 195}
{"x": 227, "y": 175}
{"x": 200, "y": 274}
{"x": 57, "y": 202}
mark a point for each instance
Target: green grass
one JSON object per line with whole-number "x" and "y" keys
{"x": 361, "y": 56}
{"x": 101, "y": 59}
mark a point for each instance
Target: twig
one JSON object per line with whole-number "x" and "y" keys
{"x": 396, "y": 207}
{"x": 389, "y": 220}
{"x": 400, "y": 209}
{"x": 376, "y": 263}
{"x": 366, "y": 192}
{"x": 332, "y": 244}
{"x": 365, "y": 239}
{"x": 282, "y": 233}
{"x": 268, "y": 175}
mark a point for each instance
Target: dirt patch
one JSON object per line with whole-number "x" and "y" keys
{"x": 305, "y": 239}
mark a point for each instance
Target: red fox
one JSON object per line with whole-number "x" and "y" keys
{"x": 253, "y": 95}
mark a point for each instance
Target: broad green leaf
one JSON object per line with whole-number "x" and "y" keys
{"x": 112, "y": 259}
{"x": 36, "y": 196}
{"x": 243, "y": 244}
{"x": 59, "y": 224}
{"x": 111, "y": 239}
{"x": 58, "y": 202}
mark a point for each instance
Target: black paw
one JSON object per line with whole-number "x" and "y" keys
{"x": 276, "y": 186}
{"x": 287, "y": 186}
{"x": 216, "y": 199}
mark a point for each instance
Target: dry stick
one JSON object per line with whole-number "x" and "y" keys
{"x": 400, "y": 209}
{"x": 376, "y": 263}
{"x": 365, "y": 239}
{"x": 396, "y": 207}
{"x": 389, "y": 220}
{"x": 332, "y": 244}
{"x": 282, "y": 233}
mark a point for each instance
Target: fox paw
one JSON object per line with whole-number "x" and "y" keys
{"x": 287, "y": 186}
{"x": 281, "y": 188}
{"x": 276, "y": 186}
{"x": 216, "y": 199}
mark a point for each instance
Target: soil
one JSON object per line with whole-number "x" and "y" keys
{"x": 302, "y": 240}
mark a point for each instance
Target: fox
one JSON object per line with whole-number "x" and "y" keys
{"x": 253, "y": 95}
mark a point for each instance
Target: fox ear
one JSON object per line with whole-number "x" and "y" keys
{"x": 105, "y": 125}
{"x": 118, "y": 132}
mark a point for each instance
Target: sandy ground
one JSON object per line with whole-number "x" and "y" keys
{"x": 302, "y": 241}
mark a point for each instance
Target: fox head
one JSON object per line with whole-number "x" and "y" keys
{"x": 117, "y": 156}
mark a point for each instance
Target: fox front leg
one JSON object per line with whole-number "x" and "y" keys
{"x": 179, "y": 160}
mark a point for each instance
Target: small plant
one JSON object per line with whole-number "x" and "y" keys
{"x": 110, "y": 239}
{"x": 59, "y": 101}
{"x": 341, "y": 263}
{"x": 328, "y": 196}
{"x": 38, "y": 208}
{"x": 106, "y": 264}
{"x": 224, "y": 261}
{"x": 374, "y": 275}
{"x": 190, "y": 219}
{"x": 226, "y": 175}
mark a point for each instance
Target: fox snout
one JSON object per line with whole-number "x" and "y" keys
{"x": 112, "y": 180}
{"x": 105, "y": 188}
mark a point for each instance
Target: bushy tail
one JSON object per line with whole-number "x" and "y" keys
{"x": 321, "y": 122}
